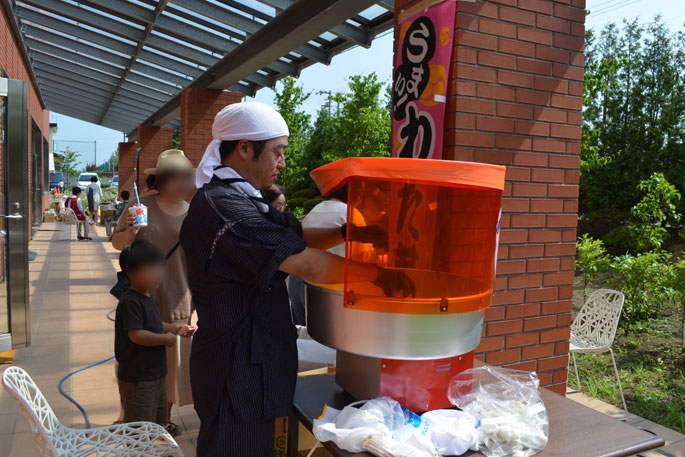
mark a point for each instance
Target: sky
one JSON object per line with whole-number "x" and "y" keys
{"x": 90, "y": 139}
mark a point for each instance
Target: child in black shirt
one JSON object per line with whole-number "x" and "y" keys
{"x": 140, "y": 336}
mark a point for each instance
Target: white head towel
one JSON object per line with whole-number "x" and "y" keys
{"x": 252, "y": 121}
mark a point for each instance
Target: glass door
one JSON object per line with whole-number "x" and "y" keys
{"x": 5, "y": 337}
{"x": 14, "y": 297}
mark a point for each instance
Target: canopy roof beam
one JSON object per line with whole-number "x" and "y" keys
{"x": 343, "y": 30}
{"x": 294, "y": 26}
{"x": 148, "y": 28}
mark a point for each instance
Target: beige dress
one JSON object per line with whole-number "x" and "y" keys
{"x": 172, "y": 295}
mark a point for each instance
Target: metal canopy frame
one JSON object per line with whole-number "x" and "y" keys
{"x": 123, "y": 63}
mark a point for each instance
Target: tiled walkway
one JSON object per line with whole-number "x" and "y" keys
{"x": 69, "y": 285}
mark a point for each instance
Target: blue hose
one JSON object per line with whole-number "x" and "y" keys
{"x": 61, "y": 381}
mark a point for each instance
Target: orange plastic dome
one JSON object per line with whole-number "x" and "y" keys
{"x": 442, "y": 224}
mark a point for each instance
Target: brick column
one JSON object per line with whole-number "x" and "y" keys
{"x": 127, "y": 162}
{"x": 515, "y": 99}
{"x": 152, "y": 141}
{"x": 198, "y": 108}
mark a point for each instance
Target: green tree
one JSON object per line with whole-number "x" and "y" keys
{"x": 351, "y": 124}
{"x": 634, "y": 106}
{"x": 646, "y": 229}
{"x": 361, "y": 122}
{"x": 176, "y": 139}
{"x": 657, "y": 207}
{"x": 289, "y": 100}
{"x": 67, "y": 160}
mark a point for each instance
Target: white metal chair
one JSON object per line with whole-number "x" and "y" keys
{"x": 68, "y": 216}
{"x": 53, "y": 439}
{"x": 594, "y": 328}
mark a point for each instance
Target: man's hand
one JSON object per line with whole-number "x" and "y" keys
{"x": 395, "y": 283}
{"x": 169, "y": 339}
{"x": 369, "y": 234}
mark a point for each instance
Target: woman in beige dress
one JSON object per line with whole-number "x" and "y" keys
{"x": 174, "y": 182}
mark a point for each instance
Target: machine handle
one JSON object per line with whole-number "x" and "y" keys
{"x": 12, "y": 216}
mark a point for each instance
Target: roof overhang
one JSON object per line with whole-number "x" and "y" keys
{"x": 123, "y": 63}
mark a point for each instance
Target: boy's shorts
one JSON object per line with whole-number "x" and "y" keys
{"x": 144, "y": 400}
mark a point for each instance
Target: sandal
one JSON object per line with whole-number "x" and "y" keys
{"x": 172, "y": 429}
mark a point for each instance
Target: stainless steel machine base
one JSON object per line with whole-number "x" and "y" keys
{"x": 388, "y": 335}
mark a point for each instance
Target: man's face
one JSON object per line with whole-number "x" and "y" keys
{"x": 270, "y": 162}
{"x": 180, "y": 186}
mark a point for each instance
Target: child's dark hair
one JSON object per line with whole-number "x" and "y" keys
{"x": 76, "y": 190}
{"x": 139, "y": 253}
{"x": 273, "y": 192}
{"x": 125, "y": 195}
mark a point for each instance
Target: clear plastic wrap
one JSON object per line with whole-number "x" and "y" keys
{"x": 513, "y": 418}
{"x": 381, "y": 427}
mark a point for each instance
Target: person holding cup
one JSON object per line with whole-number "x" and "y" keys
{"x": 157, "y": 217}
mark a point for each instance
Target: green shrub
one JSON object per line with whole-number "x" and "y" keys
{"x": 311, "y": 203}
{"x": 108, "y": 194}
{"x": 304, "y": 193}
{"x": 678, "y": 284}
{"x": 295, "y": 202}
{"x": 600, "y": 222}
{"x": 646, "y": 230}
{"x": 647, "y": 281}
{"x": 647, "y": 236}
{"x": 658, "y": 205}
{"x": 635, "y": 237}
{"x": 619, "y": 241}
{"x": 592, "y": 259}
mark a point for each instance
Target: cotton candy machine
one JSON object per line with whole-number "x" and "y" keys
{"x": 439, "y": 222}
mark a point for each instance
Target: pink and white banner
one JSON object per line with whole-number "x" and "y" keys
{"x": 421, "y": 77}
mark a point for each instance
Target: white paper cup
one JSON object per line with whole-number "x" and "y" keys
{"x": 140, "y": 213}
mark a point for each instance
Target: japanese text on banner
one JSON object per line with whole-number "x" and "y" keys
{"x": 420, "y": 82}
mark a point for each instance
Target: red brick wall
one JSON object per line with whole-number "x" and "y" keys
{"x": 127, "y": 162}
{"x": 198, "y": 108}
{"x": 515, "y": 99}
{"x": 152, "y": 141}
{"x": 12, "y": 62}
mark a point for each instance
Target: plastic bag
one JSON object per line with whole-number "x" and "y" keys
{"x": 513, "y": 418}
{"x": 453, "y": 432}
{"x": 381, "y": 427}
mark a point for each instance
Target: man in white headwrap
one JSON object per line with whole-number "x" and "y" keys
{"x": 239, "y": 250}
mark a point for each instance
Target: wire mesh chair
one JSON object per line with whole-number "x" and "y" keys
{"x": 52, "y": 439}
{"x": 594, "y": 328}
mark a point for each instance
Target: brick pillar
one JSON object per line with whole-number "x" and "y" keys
{"x": 515, "y": 99}
{"x": 152, "y": 141}
{"x": 127, "y": 162}
{"x": 198, "y": 108}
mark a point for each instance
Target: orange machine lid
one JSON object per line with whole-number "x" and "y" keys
{"x": 331, "y": 176}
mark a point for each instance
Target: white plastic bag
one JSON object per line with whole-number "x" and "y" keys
{"x": 453, "y": 432}
{"x": 513, "y": 418}
{"x": 381, "y": 427}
